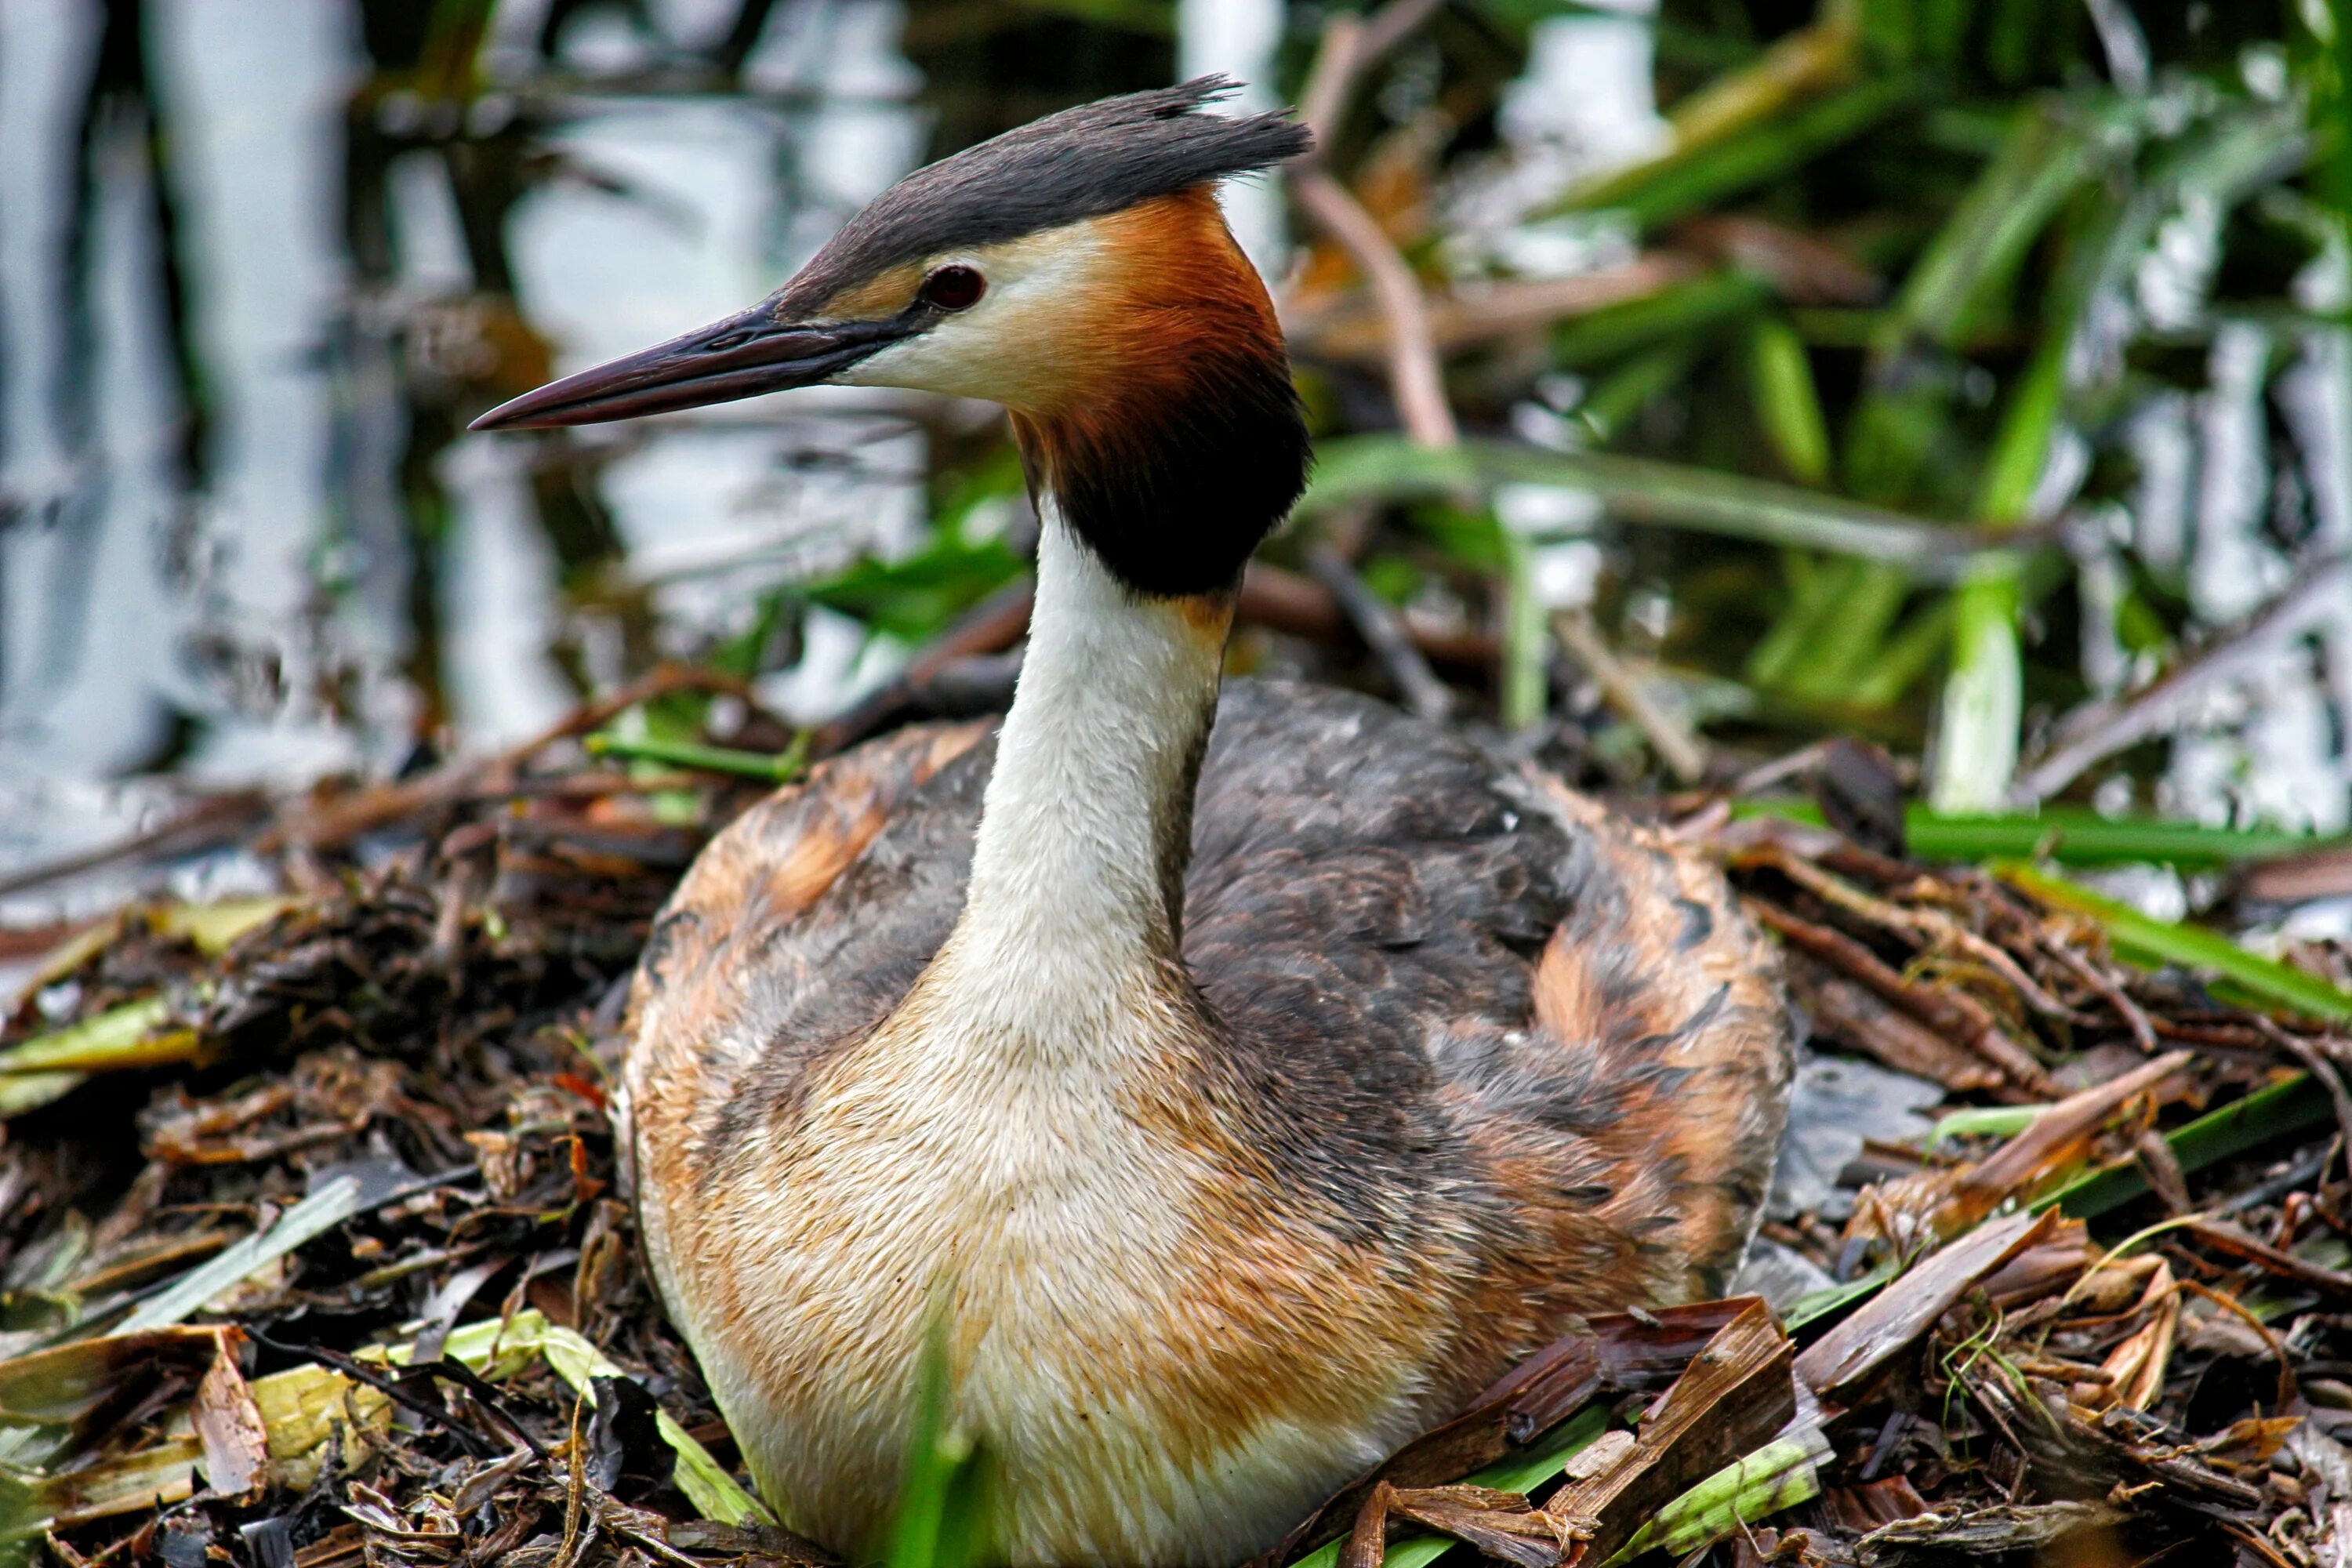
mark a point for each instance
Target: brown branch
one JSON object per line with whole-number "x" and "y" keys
{"x": 1683, "y": 753}
{"x": 1385, "y": 632}
{"x": 1298, "y": 606}
{"x": 2093, "y": 734}
{"x": 209, "y": 821}
{"x": 1415, "y": 378}
{"x": 1353, "y": 329}
{"x": 330, "y": 824}
{"x": 1350, "y": 47}
{"x": 1954, "y": 1015}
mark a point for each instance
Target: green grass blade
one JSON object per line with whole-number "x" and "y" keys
{"x": 1984, "y": 699}
{"x": 1983, "y": 1122}
{"x": 1815, "y": 1305}
{"x": 50, "y": 1067}
{"x": 942, "y": 1516}
{"x": 1619, "y": 399}
{"x": 1978, "y": 725}
{"x": 1682, "y": 314}
{"x": 1674, "y": 189}
{"x": 1850, "y": 640}
{"x": 1788, "y": 403}
{"x": 706, "y": 1483}
{"x": 2287, "y": 1107}
{"x": 114, "y": 1038}
{"x": 780, "y": 767}
{"x": 1525, "y": 1473}
{"x": 2073, "y": 835}
{"x": 338, "y": 1199}
{"x": 2278, "y": 1111}
{"x": 1906, "y": 654}
{"x": 1812, "y": 586}
{"x": 1526, "y": 640}
{"x": 2143, "y": 939}
{"x": 2045, "y": 156}
{"x": 1766, "y": 115}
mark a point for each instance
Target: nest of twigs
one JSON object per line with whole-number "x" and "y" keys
{"x": 311, "y": 1250}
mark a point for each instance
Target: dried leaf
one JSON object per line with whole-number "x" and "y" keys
{"x": 1940, "y": 1204}
{"x": 2134, "y": 1369}
{"x": 1841, "y": 1362}
{"x": 1500, "y": 1524}
{"x": 63, "y": 1383}
{"x": 1614, "y": 1353}
{"x": 1736, "y": 1395}
{"x": 229, "y": 1425}
{"x": 1936, "y": 1537}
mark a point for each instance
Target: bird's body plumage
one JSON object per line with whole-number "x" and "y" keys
{"x": 1472, "y": 1056}
{"x": 1235, "y": 1083}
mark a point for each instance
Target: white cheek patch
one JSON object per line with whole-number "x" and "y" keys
{"x": 996, "y": 349}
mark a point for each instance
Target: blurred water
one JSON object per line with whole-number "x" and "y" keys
{"x": 269, "y": 556}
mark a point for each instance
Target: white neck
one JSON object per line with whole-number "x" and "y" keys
{"x": 1087, "y": 820}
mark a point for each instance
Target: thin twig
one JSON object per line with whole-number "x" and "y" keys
{"x": 574, "y": 1486}
{"x": 204, "y": 825}
{"x": 2134, "y": 1016}
{"x": 1350, "y": 47}
{"x": 1384, "y": 632}
{"x": 2097, "y": 733}
{"x": 1298, "y": 606}
{"x": 1682, "y": 751}
{"x": 2317, "y": 1064}
{"x": 1349, "y": 329}
{"x": 470, "y": 1440}
{"x": 1415, "y": 378}
{"x": 338, "y": 822}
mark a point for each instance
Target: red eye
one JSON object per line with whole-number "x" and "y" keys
{"x": 954, "y": 288}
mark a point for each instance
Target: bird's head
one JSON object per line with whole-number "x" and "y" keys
{"x": 1077, "y": 270}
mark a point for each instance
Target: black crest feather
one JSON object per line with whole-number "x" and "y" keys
{"x": 1083, "y": 162}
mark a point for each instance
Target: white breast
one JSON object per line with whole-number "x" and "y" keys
{"x": 1166, "y": 1369}
{"x": 1056, "y": 1231}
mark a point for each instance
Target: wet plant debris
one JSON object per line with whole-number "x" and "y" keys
{"x": 314, "y": 1248}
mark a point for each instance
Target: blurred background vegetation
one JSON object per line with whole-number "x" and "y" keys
{"x": 1694, "y": 380}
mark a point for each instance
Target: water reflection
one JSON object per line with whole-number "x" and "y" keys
{"x": 242, "y": 326}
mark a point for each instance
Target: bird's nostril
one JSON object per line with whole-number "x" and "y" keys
{"x": 731, "y": 341}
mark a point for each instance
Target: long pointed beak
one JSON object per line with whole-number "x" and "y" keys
{"x": 741, "y": 356}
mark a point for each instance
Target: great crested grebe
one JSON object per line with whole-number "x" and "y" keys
{"x": 1244, "y": 1099}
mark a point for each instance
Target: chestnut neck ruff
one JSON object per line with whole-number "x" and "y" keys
{"x": 1173, "y": 479}
{"x": 1180, "y": 443}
